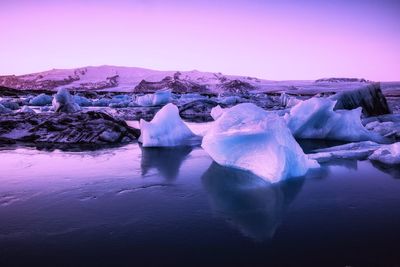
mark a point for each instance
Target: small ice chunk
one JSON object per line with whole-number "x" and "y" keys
{"x": 27, "y": 109}
{"x": 41, "y": 100}
{"x": 64, "y": 102}
{"x": 388, "y": 154}
{"x": 315, "y": 119}
{"x": 166, "y": 129}
{"x": 82, "y": 101}
{"x": 4, "y": 110}
{"x": 159, "y": 98}
{"x": 247, "y": 137}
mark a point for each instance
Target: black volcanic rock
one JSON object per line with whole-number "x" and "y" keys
{"x": 370, "y": 98}
{"x": 60, "y": 128}
{"x": 177, "y": 85}
{"x": 236, "y": 87}
{"x": 337, "y": 80}
{"x": 198, "y": 110}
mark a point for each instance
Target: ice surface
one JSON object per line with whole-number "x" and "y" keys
{"x": 360, "y": 150}
{"x": 27, "y": 109}
{"x": 82, "y": 101}
{"x": 216, "y": 112}
{"x": 247, "y": 137}
{"x": 388, "y": 154}
{"x": 41, "y": 100}
{"x": 64, "y": 102}
{"x": 166, "y": 129}
{"x": 160, "y": 97}
{"x": 4, "y": 110}
{"x": 315, "y": 119}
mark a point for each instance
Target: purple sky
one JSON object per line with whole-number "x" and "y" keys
{"x": 276, "y": 40}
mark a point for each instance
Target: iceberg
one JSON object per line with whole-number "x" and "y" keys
{"x": 388, "y": 154}
{"x": 250, "y": 138}
{"x": 316, "y": 118}
{"x": 82, "y": 101}
{"x": 4, "y": 110}
{"x": 64, "y": 102}
{"x": 159, "y": 98}
{"x": 166, "y": 129}
{"x": 41, "y": 100}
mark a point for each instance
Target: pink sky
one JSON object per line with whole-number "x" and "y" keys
{"x": 276, "y": 40}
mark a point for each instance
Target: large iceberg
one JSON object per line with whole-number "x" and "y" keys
{"x": 316, "y": 118}
{"x": 166, "y": 129}
{"x": 159, "y": 98}
{"x": 64, "y": 102}
{"x": 249, "y": 138}
{"x": 388, "y": 154}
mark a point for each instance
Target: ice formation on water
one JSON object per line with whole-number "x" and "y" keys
{"x": 315, "y": 119}
{"x": 27, "y": 109}
{"x": 64, "y": 102}
{"x": 166, "y": 129}
{"x": 160, "y": 97}
{"x": 247, "y": 137}
{"x": 4, "y": 110}
{"x": 41, "y": 100}
{"x": 360, "y": 150}
{"x": 82, "y": 101}
{"x": 388, "y": 154}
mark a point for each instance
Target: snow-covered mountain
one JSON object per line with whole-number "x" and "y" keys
{"x": 126, "y": 79}
{"x": 140, "y": 80}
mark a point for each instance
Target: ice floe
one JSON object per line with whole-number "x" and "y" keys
{"x": 64, "y": 102}
{"x": 388, "y": 154}
{"x": 166, "y": 129}
{"x": 41, "y": 100}
{"x": 248, "y": 137}
{"x": 316, "y": 118}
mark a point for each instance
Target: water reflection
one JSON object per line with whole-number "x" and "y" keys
{"x": 392, "y": 170}
{"x": 167, "y": 161}
{"x": 251, "y": 204}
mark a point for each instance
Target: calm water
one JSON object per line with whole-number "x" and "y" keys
{"x": 144, "y": 207}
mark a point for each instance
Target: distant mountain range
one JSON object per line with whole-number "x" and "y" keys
{"x": 140, "y": 80}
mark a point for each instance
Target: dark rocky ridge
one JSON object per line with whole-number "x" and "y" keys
{"x": 73, "y": 128}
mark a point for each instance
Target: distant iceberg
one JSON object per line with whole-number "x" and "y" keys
{"x": 316, "y": 118}
{"x": 250, "y": 138}
{"x": 166, "y": 129}
{"x": 64, "y": 102}
{"x": 160, "y": 97}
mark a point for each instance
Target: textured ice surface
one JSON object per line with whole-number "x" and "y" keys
{"x": 41, "y": 100}
{"x": 360, "y": 150}
{"x": 315, "y": 119}
{"x": 166, "y": 129}
{"x": 27, "y": 109}
{"x": 82, "y": 101}
{"x": 64, "y": 102}
{"x": 4, "y": 110}
{"x": 388, "y": 154}
{"x": 160, "y": 97}
{"x": 247, "y": 137}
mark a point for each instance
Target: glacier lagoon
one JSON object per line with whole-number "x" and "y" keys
{"x": 138, "y": 206}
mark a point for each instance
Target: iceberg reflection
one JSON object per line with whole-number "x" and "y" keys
{"x": 166, "y": 160}
{"x": 251, "y": 204}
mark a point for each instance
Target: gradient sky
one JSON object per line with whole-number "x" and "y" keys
{"x": 278, "y": 40}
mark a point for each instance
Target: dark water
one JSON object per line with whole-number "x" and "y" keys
{"x": 174, "y": 207}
